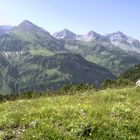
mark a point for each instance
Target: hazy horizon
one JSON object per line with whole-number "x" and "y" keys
{"x": 101, "y": 16}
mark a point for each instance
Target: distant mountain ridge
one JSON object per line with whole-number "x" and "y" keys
{"x": 117, "y": 39}
{"x": 116, "y": 51}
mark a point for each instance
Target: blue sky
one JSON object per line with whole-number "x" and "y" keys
{"x": 79, "y": 16}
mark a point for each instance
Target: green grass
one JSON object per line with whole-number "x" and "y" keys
{"x": 111, "y": 114}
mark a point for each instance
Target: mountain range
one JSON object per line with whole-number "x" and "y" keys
{"x": 32, "y": 59}
{"x": 116, "y": 51}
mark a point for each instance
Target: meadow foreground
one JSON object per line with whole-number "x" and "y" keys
{"x": 111, "y": 114}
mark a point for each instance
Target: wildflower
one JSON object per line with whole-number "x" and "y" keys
{"x": 83, "y": 112}
{"x": 33, "y": 124}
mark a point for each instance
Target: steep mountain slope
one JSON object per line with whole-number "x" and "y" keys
{"x": 41, "y": 73}
{"x": 9, "y": 43}
{"x": 37, "y": 36}
{"x": 117, "y": 52}
{"x": 133, "y": 74}
{"x": 5, "y": 75}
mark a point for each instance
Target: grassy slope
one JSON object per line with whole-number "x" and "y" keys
{"x": 132, "y": 74}
{"x": 112, "y": 114}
